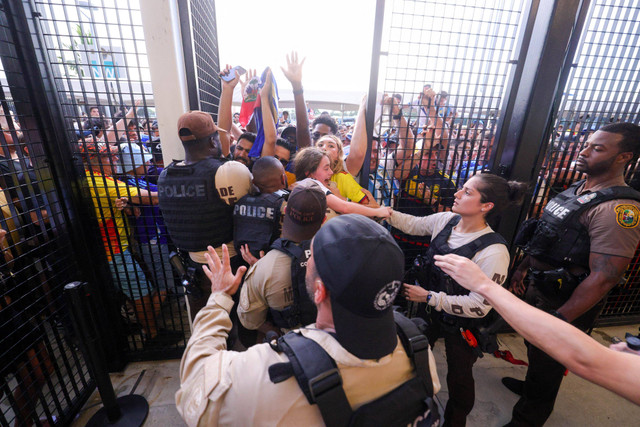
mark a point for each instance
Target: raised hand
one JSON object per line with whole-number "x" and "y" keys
{"x": 247, "y": 78}
{"x": 248, "y": 256}
{"x": 293, "y": 73}
{"x": 231, "y": 84}
{"x": 219, "y": 272}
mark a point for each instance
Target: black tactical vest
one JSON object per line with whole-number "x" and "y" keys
{"x": 558, "y": 238}
{"x": 302, "y": 310}
{"x": 193, "y": 212}
{"x": 257, "y": 221}
{"x": 434, "y": 279}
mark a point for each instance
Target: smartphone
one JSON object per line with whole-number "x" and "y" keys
{"x": 237, "y": 70}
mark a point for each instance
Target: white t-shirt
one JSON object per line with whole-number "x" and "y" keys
{"x": 492, "y": 260}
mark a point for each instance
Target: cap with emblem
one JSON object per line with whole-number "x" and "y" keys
{"x": 305, "y": 211}
{"x": 361, "y": 266}
{"x": 196, "y": 125}
{"x": 233, "y": 181}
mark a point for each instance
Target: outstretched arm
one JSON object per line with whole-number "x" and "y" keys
{"x": 293, "y": 73}
{"x": 616, "y": 371}
{"x": 203, "y": 356}
{"x": 268, "y": 123}
{"x": 358, "y": 150}
{"x": 224, "y": 109}
{"x": 111, "y": 134}
{"x": 345, "y": 207}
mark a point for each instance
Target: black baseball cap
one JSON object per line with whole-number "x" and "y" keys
{"x": 361, "y": 266}
{"x": 305, "y": 211}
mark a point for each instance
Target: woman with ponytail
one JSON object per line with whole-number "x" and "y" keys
{"x": 453, "y": 312}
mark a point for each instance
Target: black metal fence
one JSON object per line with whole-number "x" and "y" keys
{"x": 44, "y": 377}
{"x": 603, "y": 87}
{"x": 450, "y": 67}
{"x": 466, "y": 54}
{"x": 447, "y": 67}
{"x": 200, "y": 46}
{"x": 99, "y": 66}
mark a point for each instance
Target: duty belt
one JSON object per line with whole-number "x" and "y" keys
{"x": 558, "y": 282}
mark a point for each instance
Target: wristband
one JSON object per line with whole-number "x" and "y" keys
{"x": 428, "y": 297}
{"x": 558, "y": 315}
{"x": 299, "y": 91}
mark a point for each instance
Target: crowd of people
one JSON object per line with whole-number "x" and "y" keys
{"x": 280, "y": 231}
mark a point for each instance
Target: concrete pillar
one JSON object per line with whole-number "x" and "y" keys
{"x": 161, "y": 25}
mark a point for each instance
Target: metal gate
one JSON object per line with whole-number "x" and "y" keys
{"x": 200, "y": 45}
{"x": 447, "y": 66}
{"x": 99, "y": 66}
{"x": 603, "y": 87}
{"x": 514, "y": 87}
{"x": 44, "y": 376}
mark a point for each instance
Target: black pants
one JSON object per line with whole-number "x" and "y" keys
{"x": 460, "y": 360}
{"x": 544, "y": 374}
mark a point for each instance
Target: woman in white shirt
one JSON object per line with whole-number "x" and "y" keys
{"x": 452, "y": 311}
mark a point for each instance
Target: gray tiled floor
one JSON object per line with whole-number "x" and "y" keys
{"x": 579, "y": 403}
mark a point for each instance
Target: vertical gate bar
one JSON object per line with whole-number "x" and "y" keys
{"x": 373, "y": 89}
{"x": 526, "y": 125}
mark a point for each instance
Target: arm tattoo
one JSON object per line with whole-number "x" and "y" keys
{"x": 606, "y": 265}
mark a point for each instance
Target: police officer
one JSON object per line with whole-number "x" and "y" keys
{"x": 195, "y": 202}
{"x": 454, "y": 313}
{"x": 352, "y": 275}
{"x": 257, "y": 217}
{"x": 274, "y": 296}
{"x": 576, "y": 252}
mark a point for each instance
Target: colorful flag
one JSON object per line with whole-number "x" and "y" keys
{"x": 256, "y": 149}
{"x": 249, "y": 97}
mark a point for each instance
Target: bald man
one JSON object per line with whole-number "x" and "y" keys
{"x": 257, "y": 218}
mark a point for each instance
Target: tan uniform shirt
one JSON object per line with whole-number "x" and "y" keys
{"x": 266, "y": 284}
{"x": 220, "y": 387}
{"x": 613, "y": 225}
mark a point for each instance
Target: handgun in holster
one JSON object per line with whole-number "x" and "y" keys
{"x": 555, "y": 282}
{"x": 186, "y": 273}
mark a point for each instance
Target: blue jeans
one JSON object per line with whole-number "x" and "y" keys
{"x": 156, "y": 256}
{"x": 128, "y": 276}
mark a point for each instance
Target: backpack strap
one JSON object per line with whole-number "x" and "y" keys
{"x": 301, "y": 309}
{"x": 319, "y": 378}
{"x": 470, "y": 249}
{"x": 317, "y": 375}
{"x": 416, "y": 345}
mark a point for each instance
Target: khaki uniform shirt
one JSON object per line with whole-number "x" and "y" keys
{"x": 613, "y": 225}
{"x": 266, "y": 284}
{"x": 220, "y": 387}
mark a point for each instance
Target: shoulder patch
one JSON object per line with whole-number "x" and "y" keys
{"x": 627, "y": 216}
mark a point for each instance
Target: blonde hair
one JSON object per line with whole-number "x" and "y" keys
{"x": 337, "y": 165}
